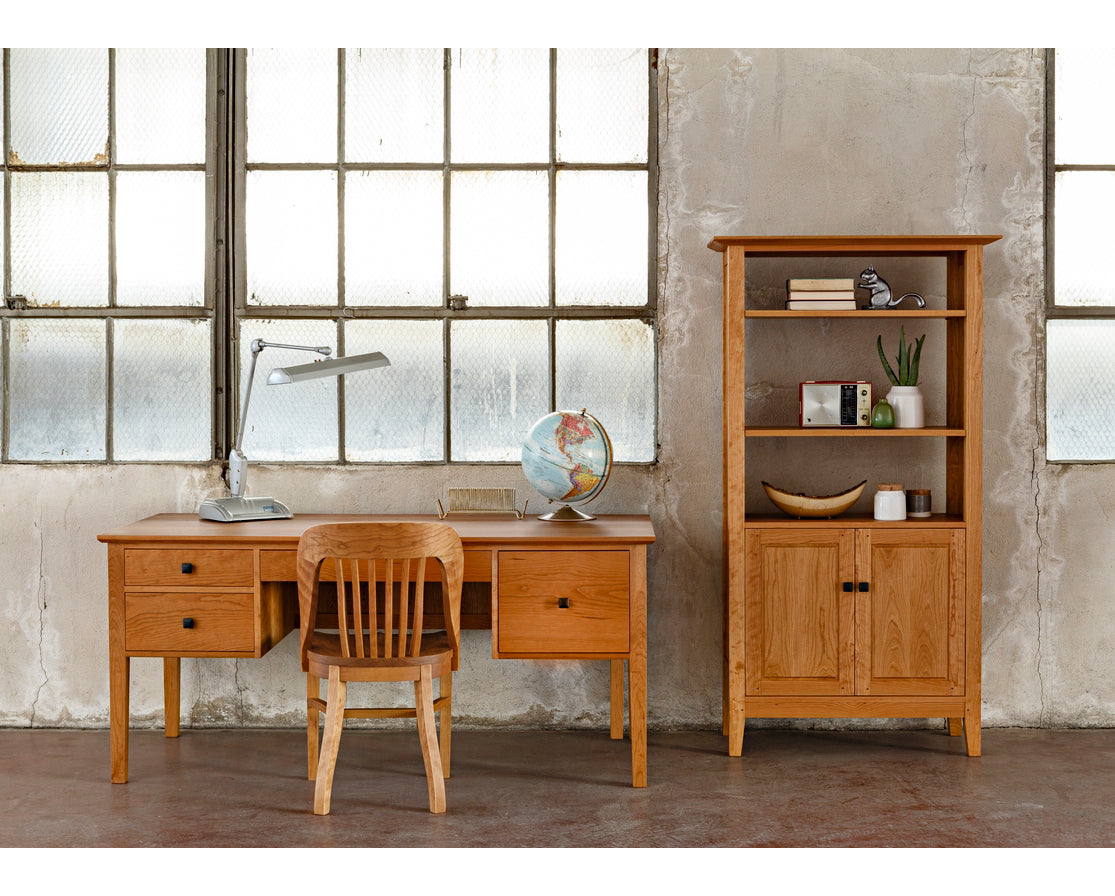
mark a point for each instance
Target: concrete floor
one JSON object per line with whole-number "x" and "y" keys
{"x": 247, "y": 788}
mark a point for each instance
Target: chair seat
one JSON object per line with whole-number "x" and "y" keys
{"x": 324, "y": 650}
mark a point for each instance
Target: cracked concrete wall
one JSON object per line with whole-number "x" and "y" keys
{"x": 751, "y": 141}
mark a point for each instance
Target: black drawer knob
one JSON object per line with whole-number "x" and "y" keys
{"x": 188, "y": 622}
{"x": 563, "y": 602}
{"x": 187, "y": 568}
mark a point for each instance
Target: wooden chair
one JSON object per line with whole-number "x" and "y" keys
{"x": 376, "y": 639}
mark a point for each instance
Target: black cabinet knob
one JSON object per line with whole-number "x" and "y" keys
{"x": 863, "y": 586}
{"x": 188, "y": 622}
{"x": 563, "y": 602}
{"x": 187, "y": 568}
{"x": 847, "y": 586}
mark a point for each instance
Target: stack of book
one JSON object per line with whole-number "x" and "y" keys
{"x": 821, "y": 294}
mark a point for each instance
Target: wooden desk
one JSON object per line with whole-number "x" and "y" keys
{"x": 180, "y": 586}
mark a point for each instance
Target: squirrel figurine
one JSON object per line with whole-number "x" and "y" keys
{"x": 880, "y": 291}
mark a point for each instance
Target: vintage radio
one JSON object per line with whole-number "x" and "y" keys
{"x": 834, "y": 403}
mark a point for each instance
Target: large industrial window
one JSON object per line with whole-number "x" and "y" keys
{"x": 1080, "y": 373}
{"x": 483, "y": 217}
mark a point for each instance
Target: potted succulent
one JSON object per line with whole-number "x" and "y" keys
{"x": 905, "y": 397}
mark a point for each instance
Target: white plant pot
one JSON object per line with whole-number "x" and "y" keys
{"x": 909, "y": 409}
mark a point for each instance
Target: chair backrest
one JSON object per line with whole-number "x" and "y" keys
{"x": 381, "y": 570}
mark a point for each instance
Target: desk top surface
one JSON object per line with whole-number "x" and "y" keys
{"x": 487, "y": 529}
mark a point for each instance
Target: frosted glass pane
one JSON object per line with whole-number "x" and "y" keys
{"x": 1080, "y": 390}
{"x": 292, "y": 237}
{"x": 500, "y": 386}
{"x": 292, "y": 105}
{"x": 394, "y": 105}
{"x": 500, "y": 237}
{"x": 601, "y": 239}
{"x": 59, "y": 241}
{"x": 500, "y": 105}
{"x": 396, "y": 413}
{"x": 1084, "y": 237}
{"x": 1085, "y": 125}
{"x": 294, "y": 421}
{"x": 607, "y": 368}
{"x": 59, "y": 106}
{"x": 160, "y": 106}
{"x": 602, "y": 99}
{"x": 162, "y": 390}
{"x": 57, "y": 372}
{"x": 160, "y": 237}
{"x": 393, "y": 238}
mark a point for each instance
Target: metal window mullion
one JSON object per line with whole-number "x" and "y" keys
{"x": 551, "y": 325}
{"x": 446, "y": 286}
{"x": 110, "y": 328}
{"x": 341, "y": 295}
{"x": 5, "y": 262}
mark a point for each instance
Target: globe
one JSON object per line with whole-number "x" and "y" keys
{"x": 567, "y": 456}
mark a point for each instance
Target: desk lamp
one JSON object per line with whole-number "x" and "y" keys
{"x": 238, "y": 507}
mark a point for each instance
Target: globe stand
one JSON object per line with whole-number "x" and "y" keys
{"x": 566, "y": 514}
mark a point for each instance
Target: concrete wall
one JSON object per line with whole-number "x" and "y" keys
{"x": 751, "y": 141}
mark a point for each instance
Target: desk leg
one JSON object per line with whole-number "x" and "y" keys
{"x": 119, "y": 667}
{"x": 637, "y": 666}
{"x": 616, "y": 700}
{"x": 172, "y": 694}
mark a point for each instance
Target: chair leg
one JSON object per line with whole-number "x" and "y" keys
{"x": 445, "y": 692}
{"x": 334, "y": 723}
{"x": 427, "y": 734}
{"x": 313, "y": 718}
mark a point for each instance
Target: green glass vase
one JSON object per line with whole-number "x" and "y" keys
{"x": 882, "y": 415}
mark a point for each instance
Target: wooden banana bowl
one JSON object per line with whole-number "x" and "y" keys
{"x": 813, "y": 506}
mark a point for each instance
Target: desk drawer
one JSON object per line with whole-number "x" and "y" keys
{"x": 190, "y": 624}
{"x": 563, "y": 602}
{"x": 188, "y": 566}
{"x": 282, "y": 566}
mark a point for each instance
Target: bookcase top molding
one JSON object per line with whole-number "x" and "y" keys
{"x": 913, "y": 244}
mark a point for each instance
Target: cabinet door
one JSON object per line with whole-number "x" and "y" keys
{"x": 910, "y": 620}
{"x": 799, "y": 618}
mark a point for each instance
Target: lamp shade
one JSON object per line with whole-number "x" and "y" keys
{"x": 331, "y": 367}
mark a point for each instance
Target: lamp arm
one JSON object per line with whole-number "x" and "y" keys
{"x": 237, "y": 462}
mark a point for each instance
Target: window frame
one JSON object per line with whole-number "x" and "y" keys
{"x": 1053, "y": 310}
{"x": 225, "y": 300}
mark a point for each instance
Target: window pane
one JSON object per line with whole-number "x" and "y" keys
{"x": 162, "y": 390}
{"x": 59, "y": 241}
{"x": 500, "y": 102}
{"x": 292, "y": 237}
{"x": 1085, "y": 121}
{"x": 607, "y": 368}
{"x": 396, "y": 413}
{"x": 500, "y": 386}
{"x": 601, "y": 241}
{"x": 1084, "y": 237}
{"x": 57, "y": 370}
{"x": 394, "y": 105}
{"x": 499, "y": 237}
{"x": 292, "y": 105}
{"x": 1080, "y": 390}
{"x": 160, "y": 106}
{"x": 160, "y": 237}
{"x": 393, "y": 238}
{"x": 59, "y": 107}
{"x": 293, "y": 421}
{"x": 602, "y": 98}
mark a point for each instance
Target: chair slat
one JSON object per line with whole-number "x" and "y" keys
{"x": 419, "y": 601}
{"x": 342, "y": 607}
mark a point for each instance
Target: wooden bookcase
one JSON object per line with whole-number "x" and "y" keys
{"x": 850, "y": 617}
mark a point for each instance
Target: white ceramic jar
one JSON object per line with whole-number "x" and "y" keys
{"x": 890, "y": 502}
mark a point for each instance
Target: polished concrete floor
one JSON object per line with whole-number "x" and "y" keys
{"x": 247, "y": 788}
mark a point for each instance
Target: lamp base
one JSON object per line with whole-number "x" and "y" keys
{"x": 236, "y": 510}
{"x": 567, "y": 514}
